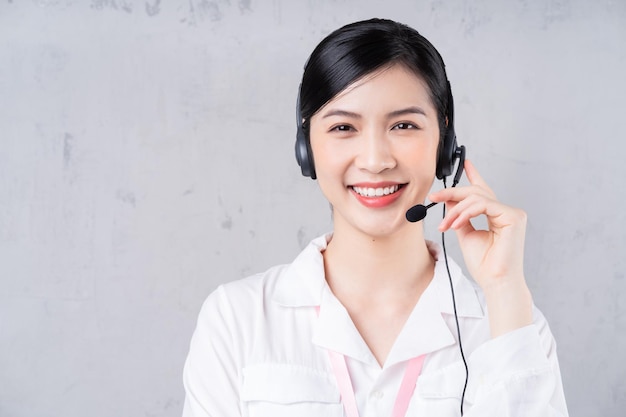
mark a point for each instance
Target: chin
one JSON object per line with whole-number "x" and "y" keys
{"x": 375, "y": 224}
{"x": 395, "y": 227}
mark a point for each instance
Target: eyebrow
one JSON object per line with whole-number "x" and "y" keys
{"x": 408, "y": 110}
{"x": 344, "y": 113}
{"x": 395, "y": 113}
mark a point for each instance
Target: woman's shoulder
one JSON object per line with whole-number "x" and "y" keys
{"x": 248, "y": 291}
{"x": 285, "y": 284}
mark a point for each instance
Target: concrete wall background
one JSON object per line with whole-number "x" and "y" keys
{"x": 146, "y": 156}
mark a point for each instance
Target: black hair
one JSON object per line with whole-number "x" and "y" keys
{"x": 358, "y": 49}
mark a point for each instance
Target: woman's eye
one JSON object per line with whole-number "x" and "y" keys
{"x": 342, "y": 128}
{"x": 404, "y": 126}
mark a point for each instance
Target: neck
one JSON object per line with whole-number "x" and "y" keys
{"x": 388, "y": 267}
{"x": 378, "y": 280}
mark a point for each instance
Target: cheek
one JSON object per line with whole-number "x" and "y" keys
{"x": 423, "y": 157}
{"x": 331, "y": 157}
{"x": 330, "y": 168}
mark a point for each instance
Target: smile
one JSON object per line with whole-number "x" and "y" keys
{"x": 376, "y": 192}
{"x": 379, "y": 196}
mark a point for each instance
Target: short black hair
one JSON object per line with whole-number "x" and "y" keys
{"x": 358, "y": 49}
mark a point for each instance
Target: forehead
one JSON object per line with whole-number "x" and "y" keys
{"x": 384, "y": 90}
{"x": 388, "y": 87}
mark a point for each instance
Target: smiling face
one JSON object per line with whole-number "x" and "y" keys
{"x": 375, "y": 150}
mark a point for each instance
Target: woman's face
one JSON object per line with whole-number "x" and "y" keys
{"x": 375, "y": 150}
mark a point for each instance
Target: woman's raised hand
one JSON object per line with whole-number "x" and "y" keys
{"x": 494, "y": 257}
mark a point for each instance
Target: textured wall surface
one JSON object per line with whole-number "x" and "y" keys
{"x": 146, "y": 156}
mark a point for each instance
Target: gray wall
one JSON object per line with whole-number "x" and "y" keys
{"x": 146, "y": 156}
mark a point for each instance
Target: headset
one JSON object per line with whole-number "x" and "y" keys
{"x": 447, "y": 154}
{"x": 304, "y": 155}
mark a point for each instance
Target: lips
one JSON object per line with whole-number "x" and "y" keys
{"x": 377, "y": 195}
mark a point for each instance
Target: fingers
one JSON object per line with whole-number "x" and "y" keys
{"x": 458, "y": 193}
{"x": 500, "y": 217}
{"x": 459, "y": 215}
{"x": 462, "y": 212}
{"x": 472, "y": 174}
{"x": 471, "y": 201}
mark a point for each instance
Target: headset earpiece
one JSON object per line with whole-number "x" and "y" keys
{"x": 445, "y": 164}
{"x": 304, "y": 156}
{"x": 449, "y": 151}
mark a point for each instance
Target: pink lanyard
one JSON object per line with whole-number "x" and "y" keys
{"x": 409, "y": 380}
{"x": 340, "y": 368}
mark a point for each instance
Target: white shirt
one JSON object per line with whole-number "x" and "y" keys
{"x": 261, "y": 349}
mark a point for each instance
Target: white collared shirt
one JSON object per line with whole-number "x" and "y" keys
{"x": 260, "y": 348}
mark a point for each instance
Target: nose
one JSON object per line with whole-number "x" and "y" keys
{"x": 375, "y": 153}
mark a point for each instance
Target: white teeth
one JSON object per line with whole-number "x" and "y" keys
{"x": 376, "y": 192}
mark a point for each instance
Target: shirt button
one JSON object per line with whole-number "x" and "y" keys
{"x": 377, "y": 395}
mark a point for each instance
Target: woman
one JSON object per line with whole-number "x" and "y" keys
{"x": 363, "y": 322}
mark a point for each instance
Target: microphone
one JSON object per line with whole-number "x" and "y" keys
{"x": 418, "y": 212}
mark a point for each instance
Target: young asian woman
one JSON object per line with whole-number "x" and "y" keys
{"x": 362, "y": 322}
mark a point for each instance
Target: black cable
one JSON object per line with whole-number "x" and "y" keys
{"x": 456, "y": 317}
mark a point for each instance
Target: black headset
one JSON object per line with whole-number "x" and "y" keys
{"x": 448, "y": 152}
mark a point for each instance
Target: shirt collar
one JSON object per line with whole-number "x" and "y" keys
{"x": 426, "y": 329}
{"x": 304, "y": 285}
{"x": 304, "y": 279}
